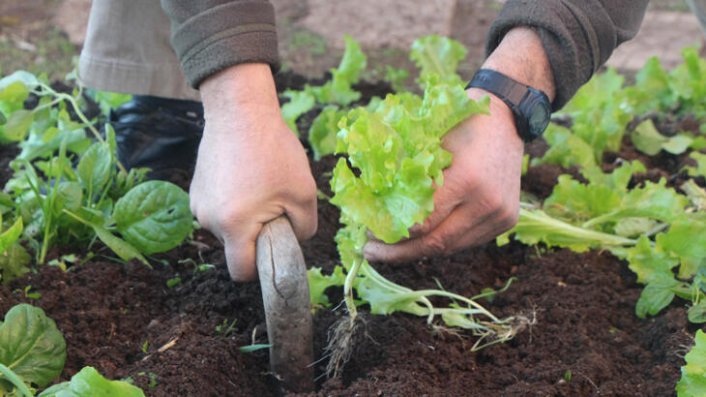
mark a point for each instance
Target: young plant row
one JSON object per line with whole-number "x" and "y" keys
{"x": 657, "y": 227}
{"x": 393, "y": 158}
{"x": 68, "y": 188}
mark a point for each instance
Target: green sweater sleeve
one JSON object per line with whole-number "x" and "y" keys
{"x": 578, "y": 35}
{"x": 211, "y": 35}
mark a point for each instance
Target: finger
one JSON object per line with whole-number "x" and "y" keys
{"x": 240, "y": 253}
{"x": 460, "y": 224}
{"x": 446, "y": 200}
{"x": 304, "y": 219}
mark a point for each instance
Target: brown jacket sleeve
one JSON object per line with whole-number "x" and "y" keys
{"x": 211, "y": 35}
{"x": 578, "y": 35}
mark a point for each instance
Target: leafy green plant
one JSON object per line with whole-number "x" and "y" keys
{"x": 600, "y": 112}
{"x": 69, "y": 187}
{"x": 437, "y": 58}
{"x": 656, "y": 229}
{"x": 337, "y": 91}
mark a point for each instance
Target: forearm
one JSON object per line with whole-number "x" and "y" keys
{"x": 578, "y": 36}
{"x": 245, "y": 92}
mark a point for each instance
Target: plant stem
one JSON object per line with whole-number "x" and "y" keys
{"x": 79, "y": 114}
{"x": 348, "y": 286}
{"x": 11, "y": 376}
{"x": 570, "y": 231}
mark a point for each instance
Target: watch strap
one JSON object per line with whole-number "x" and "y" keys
{"x": 513, "y": 93}
{"x": 502, "y": 86}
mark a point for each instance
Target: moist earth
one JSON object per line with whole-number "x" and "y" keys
{"x": 183, "y": 339}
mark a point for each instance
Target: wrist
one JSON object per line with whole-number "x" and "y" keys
{"x": 241, "y": 92}
{"x": 500, "y": 112}
{"x": 521, "y": 56}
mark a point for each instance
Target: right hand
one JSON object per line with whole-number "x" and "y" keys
{"x": 251, "y": 168}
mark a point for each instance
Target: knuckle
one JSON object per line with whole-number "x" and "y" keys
{"x": 226, "y": 218}
{"x": 494, "y": 202}
{"x": 509, "y": 214}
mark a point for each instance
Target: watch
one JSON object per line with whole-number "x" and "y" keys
{"x": 531, "y": 107}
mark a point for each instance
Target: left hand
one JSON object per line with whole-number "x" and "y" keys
{"x": 481, "y": 192}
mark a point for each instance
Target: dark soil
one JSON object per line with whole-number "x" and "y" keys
{"x": 585, "y": 339}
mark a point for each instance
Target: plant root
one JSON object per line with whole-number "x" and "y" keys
{"x": 343, "y": 338}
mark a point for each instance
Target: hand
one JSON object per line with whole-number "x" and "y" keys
{"x": 250, "y": 168}
{"x": 481, "y": 191}
{"x": 480, "y": 195}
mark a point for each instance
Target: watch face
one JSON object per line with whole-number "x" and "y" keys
{"x": 538, "y": 113}
{"x": 539, "y": 119}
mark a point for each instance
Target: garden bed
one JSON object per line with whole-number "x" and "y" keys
{"x": 184, "y": 339}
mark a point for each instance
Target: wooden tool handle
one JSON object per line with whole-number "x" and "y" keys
{"x": 285, "y": 293}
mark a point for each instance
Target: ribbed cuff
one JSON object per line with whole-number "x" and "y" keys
{"x": 567, "y": 36}
{"x": 224, "y": 36}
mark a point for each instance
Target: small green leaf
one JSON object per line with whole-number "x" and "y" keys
{"x": 648, "y": 140}
{"x": 657, "y": 295}
{"x": 437, "y": 55}
{"x": 678, "y": 144}
{"x": 173, "y": 282}
{"x": 68, "y": 196}
{"x": 14, "y": 262}
{"x": 686, "y": 238}
{"x": 700, "y": 169}
{"x": 17, "y": 126}
{"x": 121, "y": 247}
{"x": 566, "y": 149}
{"x": 695, "y": 193}
{"x": 693, "y": 374}
{"x": 322, "y": 134}
{"x": 27, "y": 79}
{"x": 95, "y": 167}
{"x": 299, "y": 103}
{"x": 154, "y": 216}
{"x": 254, "y": 348}
{"x": 697, "y": 313}
{"x": 89, "y": 383}
{"x": 31, "y": 345}
{"x": 318, "y": 283}
{"x": 650, "y": 263}
{"x": 10, "y": 236}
